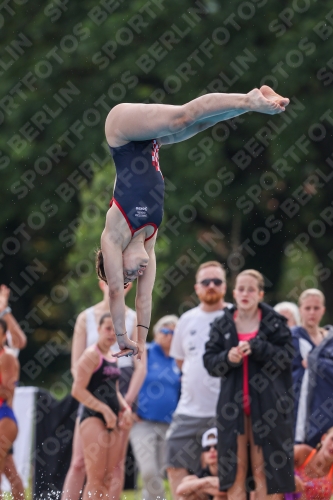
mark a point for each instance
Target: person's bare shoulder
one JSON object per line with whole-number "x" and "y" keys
{"x": 301, "y": 453}
{"x": 81, "y": 316}
{"x": 80, "y": 323}
{"x": 92, "y": 352}
{"x": 90, "y": 358}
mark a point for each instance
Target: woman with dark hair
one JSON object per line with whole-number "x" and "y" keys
{"x": 105, "y": 410}
{"x": 134, "y": 133}
{"x": 250, "y": 348}
{"x": 132, "y": 374}
{"x": 9, "y": 375}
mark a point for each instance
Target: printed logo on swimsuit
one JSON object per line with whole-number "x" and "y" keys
{"x": 141, "y": 212}
{"x": 111, "y": 371}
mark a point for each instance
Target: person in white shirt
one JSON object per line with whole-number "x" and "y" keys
{"x": 196, "y": 409}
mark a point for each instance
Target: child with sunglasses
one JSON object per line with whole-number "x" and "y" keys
{"x": 205, "y": 485}
{"x": 250, "y": 348}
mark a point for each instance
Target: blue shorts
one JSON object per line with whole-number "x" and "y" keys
{"x": 7, "y": 412}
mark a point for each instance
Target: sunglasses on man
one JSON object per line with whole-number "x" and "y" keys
{"x": 207, "y": 448}
{"x": 216, "y": 281}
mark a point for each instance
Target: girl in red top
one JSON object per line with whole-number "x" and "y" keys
{"x": 314, "y": 469}
{"x": 250, "y": 348}
{"x": 248, "y": 292}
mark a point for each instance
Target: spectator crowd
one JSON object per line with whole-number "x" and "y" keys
{"x": 231, "y": 401}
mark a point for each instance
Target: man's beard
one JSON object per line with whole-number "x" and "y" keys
{"x": 211, "y": 297}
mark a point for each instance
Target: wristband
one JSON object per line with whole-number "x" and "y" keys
{"x": 120, "y": 334}
{"x": 147, "y": 327}
{"x": 5, "y": 311}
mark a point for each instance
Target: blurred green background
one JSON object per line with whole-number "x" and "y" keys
{"x": 255, "y": 192}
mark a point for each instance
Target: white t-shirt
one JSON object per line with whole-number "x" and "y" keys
{"x": 199, "y": 391}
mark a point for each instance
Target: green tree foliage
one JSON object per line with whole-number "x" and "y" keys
{"x": 260, "y": 181}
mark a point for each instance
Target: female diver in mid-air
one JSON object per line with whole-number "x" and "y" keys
{"x": 134, "y": 133}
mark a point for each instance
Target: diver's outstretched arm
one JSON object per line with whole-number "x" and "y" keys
{"x": 143, "y": 301}
{"x": 113, "y": 266}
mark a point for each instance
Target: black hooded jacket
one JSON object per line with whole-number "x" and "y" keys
{"x": 271, "y": 397}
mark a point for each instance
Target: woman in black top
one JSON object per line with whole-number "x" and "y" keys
{"x": 105, "y": 410}
{"x": 134, "y": 133}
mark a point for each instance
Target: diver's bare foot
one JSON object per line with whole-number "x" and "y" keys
{"x": 258, "y": 102}
{"x": 271, "y": 95}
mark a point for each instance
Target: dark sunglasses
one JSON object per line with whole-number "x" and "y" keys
{"x": 216, "y": 281}
{"x": 207, "y": 448}
{"x": 166, "y": 331}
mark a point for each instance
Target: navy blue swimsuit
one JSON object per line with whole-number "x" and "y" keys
{"x": 139, "y": 187}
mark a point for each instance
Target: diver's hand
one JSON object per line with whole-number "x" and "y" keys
{"x": 127, "y": 346}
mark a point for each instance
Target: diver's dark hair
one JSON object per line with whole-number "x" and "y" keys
{"x": 103, "y": 318}
{"x": 3, "y": 325}
{"x": 100, "y": 266}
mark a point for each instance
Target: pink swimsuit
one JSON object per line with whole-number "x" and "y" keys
{"x": 246, "y": 390}
{"x": 319, "y": 488}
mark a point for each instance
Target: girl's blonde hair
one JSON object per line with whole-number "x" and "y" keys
{"x": 165, "y": 320}
{"x": 254, "y": 274}
{"x": 311, "y": 292}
